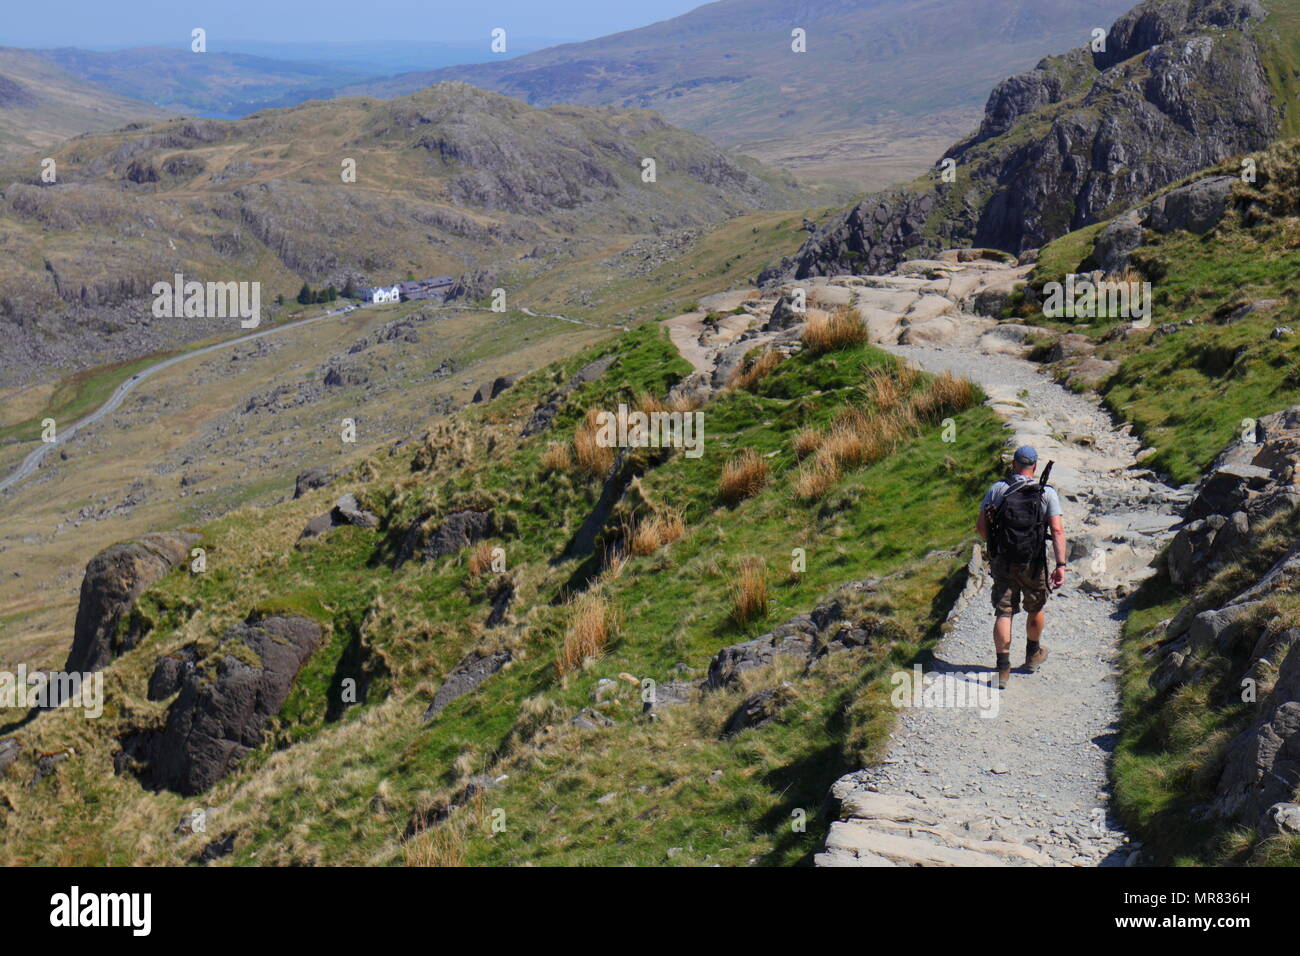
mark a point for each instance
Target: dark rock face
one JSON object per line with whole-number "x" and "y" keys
{"x": 114, "y": 579}
{"x": 458, "y": 531}
{"x": 1076, "y": 140}
{"x": 500, "y": 597}
{"x": 756, "y": 710}
{"x": 310, "y": 479}
{"x": 170, "y": 672}
{"x": 490, "y": 390}
{"x": 465, "y": 677}
{"x": 225, "y": 703}
{"x": 1263, "y": 762}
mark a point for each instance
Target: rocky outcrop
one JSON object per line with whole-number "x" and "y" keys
{"x": 490, "y": 390}
{"x": 1197, "y": 208}
{"x": 465, "y": 677}
{"x": 454, "y": 533}
{"x": 827, "y": 628}
{"x": 346, "y": 511}
{"x": 1262, "y": 766}
{"x": 114, "y": 579}
{"x": 310, "y": 479}
{"x": 1250, "y": 482}
{"x": 545, "y": 413}
{"x": 1182, "y": 86}
{"x": 224, "y": 703}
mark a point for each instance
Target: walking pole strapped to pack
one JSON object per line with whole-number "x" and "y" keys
{"x": 1042, "y": 487}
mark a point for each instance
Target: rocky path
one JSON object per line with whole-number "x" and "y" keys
{"x": 975, "y": 776}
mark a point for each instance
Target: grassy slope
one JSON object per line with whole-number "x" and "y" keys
{"x": 345, "y": 791}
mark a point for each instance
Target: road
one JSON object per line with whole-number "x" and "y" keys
{"x": 33, "y": 460}
{"x": 29, "y": 464}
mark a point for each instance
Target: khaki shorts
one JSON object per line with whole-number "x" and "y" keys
{"x": 1013, "y": 583}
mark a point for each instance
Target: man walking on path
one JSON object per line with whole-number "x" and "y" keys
{"x": 1014, "y": 519}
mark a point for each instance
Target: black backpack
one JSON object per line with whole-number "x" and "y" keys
{"x": 1018, "y": 528}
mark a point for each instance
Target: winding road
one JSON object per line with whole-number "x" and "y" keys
{"x": 32, "y": 461}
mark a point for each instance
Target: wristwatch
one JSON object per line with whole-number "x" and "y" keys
{"x": 1061, "y": 564}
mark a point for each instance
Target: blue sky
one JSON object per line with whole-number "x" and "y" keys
{"x": 117, "y": 23}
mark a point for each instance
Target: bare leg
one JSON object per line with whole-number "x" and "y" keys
{"x": 1033, "y": 627}
{"x": 1002, "y": 633}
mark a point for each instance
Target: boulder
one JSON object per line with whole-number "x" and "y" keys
{"x": 310, "y": 479}
{"x": 113, "y": 580}
{"x": 1196, "y": 207}
{"x": 783, "y": 315}
{"x": 8, "y": 754}
{"x": 1116, "y": 241}
{"x": 465, "y": 677}
{"x": 1262, "y": 763}
{"x": 348, "y": 511}
{"x": 225, "y": 702}
{"x": 1228, "y": 489}
{"x": 1072, "y": 345}
{"x": 170, "y": 671}
{"x": 457, "y": 531}
{"x": 490, "y": 390}
{"x": 756, "y": 710}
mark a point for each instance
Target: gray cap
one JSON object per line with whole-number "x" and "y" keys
{"x": 1027, "y": 454}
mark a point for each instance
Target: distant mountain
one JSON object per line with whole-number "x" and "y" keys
{"x": 907, "y": 68}
{"x": 1181, "y": 85}
{"x": 447, "y": 180}
{"x": 42, "y": 104}
{"x": 211, "y": 84}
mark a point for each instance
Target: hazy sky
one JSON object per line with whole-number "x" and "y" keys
{"x": 115, "y": 23}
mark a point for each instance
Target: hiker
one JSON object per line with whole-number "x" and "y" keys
{"x": 1015, "y": 517}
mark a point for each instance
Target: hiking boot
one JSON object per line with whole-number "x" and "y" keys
{"x": 1034, "y": 660}
{"x": 1004, "y": 675}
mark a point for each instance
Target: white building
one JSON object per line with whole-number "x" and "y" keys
{"x": 382, "y": 295}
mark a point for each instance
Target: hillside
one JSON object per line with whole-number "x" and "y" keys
{"x": 42, "y": 104}
{"x": 447, "y": 180}
{"x": 213, "y": 83}
{"x": 884, "y": 82}
{"x": 474, "y": 700}
{"x": 1182, "y": 84}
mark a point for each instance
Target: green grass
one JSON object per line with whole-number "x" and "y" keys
{"x": 336, "y": 784}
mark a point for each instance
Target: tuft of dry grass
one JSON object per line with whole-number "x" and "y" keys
{"x": 743, "y": 477}
{"x": 590, "y": 625}
{"x": 648, "y": 404}
{"x": 748, "y": 375}
{"x": 841, "y": 329}
{"x": 437, "y": 846}
{"x": 654, "y": 532}
{"x": 480, "y": 559}
{"x": 685, "y": 403}
{"x": 807, "y": 441}
{"x": 946, "y": 394}
{"x": 815, "y": 478}
{"x": 749, "y": 591}
{"x": 594, "y": 459}
{"x": 558, "y": 457}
